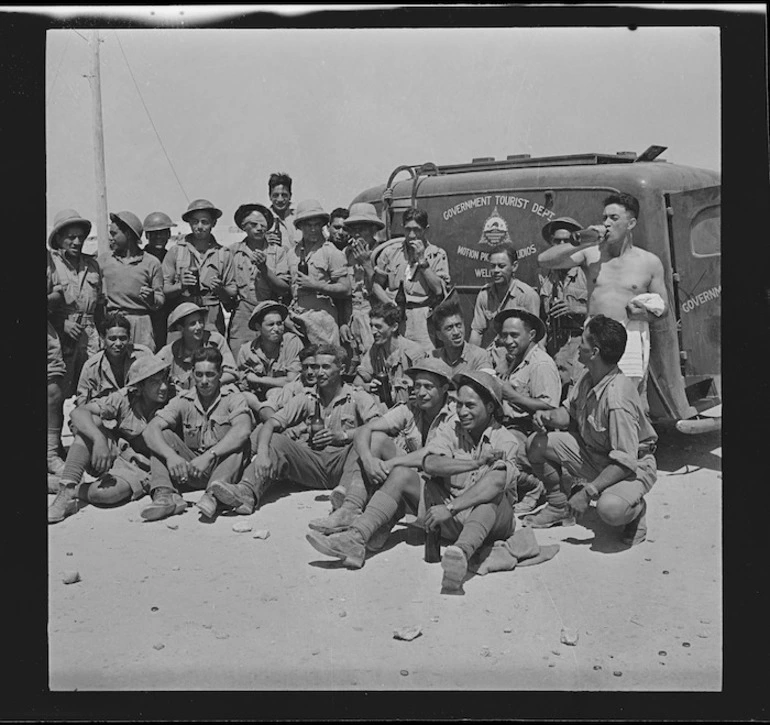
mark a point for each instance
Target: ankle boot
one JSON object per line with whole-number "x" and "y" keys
{"x": 237, "y": 496}
{"x": 338, "y": 521}
{"x": 163, "y": 505}
{"x": 65, "y": 504}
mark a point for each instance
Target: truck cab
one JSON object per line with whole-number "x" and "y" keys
{"x": 473, "y": 208}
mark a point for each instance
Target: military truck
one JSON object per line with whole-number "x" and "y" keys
{"x": 475, "y": 207}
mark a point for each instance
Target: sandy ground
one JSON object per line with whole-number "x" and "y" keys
{"x": 201, "y": 607}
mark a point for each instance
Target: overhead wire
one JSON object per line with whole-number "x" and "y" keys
{"x": 56, "y": 75}
{"x": 152, "y": 123}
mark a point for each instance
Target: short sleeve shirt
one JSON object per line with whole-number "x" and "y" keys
{"x": 453, "y": 441}
{"x": 610, "y": 419}
{"x": 471, "y": 358}
{"x": 216, "y": 261}
{"x": 409, "y": 421}
{"x": 405, "y": 354}
{"x": 251, "y": 281}
{"x": 394, "y": 265}
{"x": 252, "y": 358}
{"x": 572, "y": 289}
{"x": 518, "y": 295}
{"x": 350, "y": 409}
{"x": 82, "y": 285}
{"x": 536, "y": 376}
{"x": 326, "y": 264}
{"x": 96, "y": 377}
{"x": 122, "y": 407}
{"x": 201, "y": 429}
{"x": 181, "y": 367}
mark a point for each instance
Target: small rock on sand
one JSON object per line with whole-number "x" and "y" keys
{"x": 569, "y": 637}
{"x": 70, "y": 577}
{"x": 171, "y": 525}
{"x": 158, "y": 646}
{"x": 407, "y": 634}
{"x": 404, "y": 673}
{"x": 617, "y": 673}
{"x": 507, "y": 630}
{"x": 261, "y": 534}
{"x": 242, "y": 527}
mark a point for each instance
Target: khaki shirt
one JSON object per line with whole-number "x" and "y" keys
{"x": 350, "y": 409}
{"x": 536, "y": 376}
{"x": 122, "y": 407}
{"x": 216, "y": 261}
{"x": 96, "y": 377}
{"x": 201, "y": 429}
{"x": 452, "y": 440}
{"x": 82, "y": 285}
{"x": 572, "y": 289}
{"x": 182, "y": 367}
{"x": 405, "y": 354}
{"x": 408, "y": 421}
{"x": 394, "y": 265}
{"x": 611, "y": 424}
{"x": 326, "y": 264}
{"x": 252, "y": 358}
{"x": 290, "y": 235}
{"x": 471, "y": 358}
{"x": 488, "y": 304}
{"x": 251, "y": 281}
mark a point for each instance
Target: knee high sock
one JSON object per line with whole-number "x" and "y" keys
{"x": 382, "y": 507}
{"x": 476, "y": 528}
{"x": 54, "y": 441}
{"x": 552, "y": 480}
{"x": 356, "y": 495}
{"x": 78, "y": 458}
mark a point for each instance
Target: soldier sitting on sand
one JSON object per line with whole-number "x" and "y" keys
{"x": 472, "y": 460}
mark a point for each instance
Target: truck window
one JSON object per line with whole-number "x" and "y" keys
{"x": 705, "y": 233}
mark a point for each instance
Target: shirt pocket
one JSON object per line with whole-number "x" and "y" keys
{"x": 192, "y": 431}
{"x": 348, "y": 421}
{"x": 92, "y": 280}
{"x": 219, "y": 425}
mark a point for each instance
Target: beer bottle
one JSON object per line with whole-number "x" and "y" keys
{"x": 584, "y": 236}
{"x": 433, "y": 545}
{"x": 401, "y": 299}
{"x": 316, "y": 424}
{"x": 302, "y": 267}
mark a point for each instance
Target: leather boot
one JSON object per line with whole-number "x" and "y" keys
{"x": 65, "y": 504}
{"x": 347, "y": 545}
{"x": 163, "y": 505}
{"x": 236, "y": 496}
{"x": 337, "y": 521}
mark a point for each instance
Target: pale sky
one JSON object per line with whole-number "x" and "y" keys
{"x": 340, "y": 109}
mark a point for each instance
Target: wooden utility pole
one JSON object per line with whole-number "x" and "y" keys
{"x": 94, "y": 78}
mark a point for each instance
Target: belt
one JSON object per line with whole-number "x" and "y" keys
{"x": 83, "y": 317}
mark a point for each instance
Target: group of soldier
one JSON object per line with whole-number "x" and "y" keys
{"x": 315, "y": 352}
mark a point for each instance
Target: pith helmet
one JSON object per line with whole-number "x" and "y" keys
{"x": 65, "y": 218}
{"x": 130, "y": 221}
{"x": 145, "y": 366}
{"x": 201, "y": 205}
{"x": 309, "y": 209}
{"x": 363, "y": 212}
{"x": 157, "y": 221}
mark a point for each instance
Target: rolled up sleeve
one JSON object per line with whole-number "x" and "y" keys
{"x": 545, "y": 384}
{"x": 293, "y": 413}
{"x": 396, "y": 419}
{"x": 479, "y": 323}
{"x": 171, "y": 414}
{"x": 624, "y": 438}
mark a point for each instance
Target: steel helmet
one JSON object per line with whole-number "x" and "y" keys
{"x": 201, "y": 205}
{"x": 156, "y": 221}
{"x": 128, "y": 220}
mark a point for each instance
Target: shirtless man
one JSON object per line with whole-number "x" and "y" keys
{"x": 616, "y": 272}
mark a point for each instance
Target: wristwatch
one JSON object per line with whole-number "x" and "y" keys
{"x": 451, "y": 508}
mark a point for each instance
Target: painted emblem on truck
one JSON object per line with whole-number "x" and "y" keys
{"x": 495, "y": 231}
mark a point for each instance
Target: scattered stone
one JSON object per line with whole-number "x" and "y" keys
{"x": 315, "y": 652}
{"x": 666, "y": 516}
{"x": 434, "y": 619}
{"x": 69, "y": 553}
{"x": 569, "y": 637}
{"x": 172, "y": 525}
{"x": 407, "y": 634}
{"x": 404, "y": 673}
{"x": 647, "y": 558}
{"x": 242, "y": 527}
{"x": 207, "y": 626}
{"x": 703, "y": 636}
{"x": 153, "y": 609}
{"x": 662, "y": 653}
{"x": 222, "y": 635}
{"x": 174, "y": 568}
{"x": 507, "y": 630}
{"x": 705, "y": 621}
{"x": 159, "y": 646}
{"x": 597, "y": 667}
{"x": 650, "y": 541}
{"x": 261, "y": 534}
{"x": 343, "y": 613}
{"x": 551, "y": 664}
{"x": 485, "y": 652}
{"x": 685, "y": 644}
{"x": 71, "y": 577}
{"x": 617, "y": 673}
{"x": 556, "y": 652}
{"x": 665, "y": 571}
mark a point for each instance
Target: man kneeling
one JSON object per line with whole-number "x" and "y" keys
{"x": 472, "y": 460}
{"x": 610, "y": 441}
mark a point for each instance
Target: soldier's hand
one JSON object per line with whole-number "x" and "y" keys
{"x": 489, "y": 455}
{"x": 263, "y": 466}
{"x": 273, "y": 237}
{"x": 635, "y": 311}
{"x": 146, "y": 293}
{"x": 72, "y": 329}
{"x": 322, "y": 439}
{"x": 188, "y": 278}
{"x": 558, "y": 309}
{"x": 305, "y": 282}
{"x": 101, "y": 457}
{"x": 198, "y": 466}
{"x": 346, "y": 336}
{"x": 260, "y": 258}
{"x": 603, "y": 232}
{"x": 579, "y": 502}
{"x": 436, "y": 515}
{"x": 540, "y": 419}
{"x": 177, "y": 467}
{"x": 376, "y": 469}
{"x": 359, "y": 251}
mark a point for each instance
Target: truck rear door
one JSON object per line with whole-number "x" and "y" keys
{"x": 695, "y": 239}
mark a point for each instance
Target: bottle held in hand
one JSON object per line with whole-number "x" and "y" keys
{"x": 401, "y": 299}
{"x": 586, "y": 236}
{"x": 316, "y": 423}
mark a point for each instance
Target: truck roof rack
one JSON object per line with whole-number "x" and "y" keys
{"x": 487, "y": 163}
